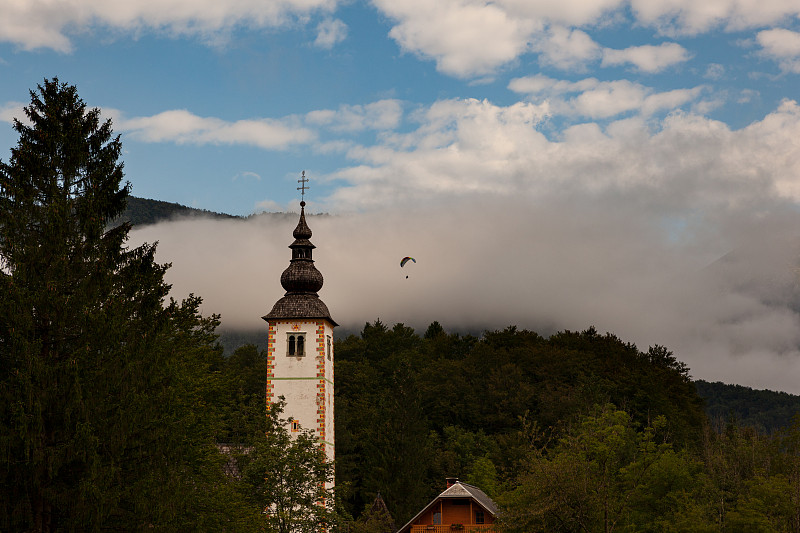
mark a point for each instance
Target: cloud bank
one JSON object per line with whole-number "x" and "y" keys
{"x": 680, "y": 232}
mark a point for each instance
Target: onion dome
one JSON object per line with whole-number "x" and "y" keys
{"x": 301, "y": 280}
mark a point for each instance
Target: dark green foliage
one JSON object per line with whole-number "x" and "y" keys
{"x": 609, "y": 474}
{"x": 767, "y": 411}
{"x": 376, "y": 518}
{"x": 104, "y": 391}
{"x": 413, "y": 410}
{"x": 232, "y": 340}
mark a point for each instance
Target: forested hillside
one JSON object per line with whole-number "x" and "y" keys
{"x": 764, "y": 410}
{"x": 142, "y": 211}
{"x": 576, "y": 432}
{"x": 412, "y": 410}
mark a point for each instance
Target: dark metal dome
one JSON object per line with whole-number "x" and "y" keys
{"x": 301, "y": 276}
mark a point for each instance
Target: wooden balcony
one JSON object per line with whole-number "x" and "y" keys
{"x": 466, "y": 528}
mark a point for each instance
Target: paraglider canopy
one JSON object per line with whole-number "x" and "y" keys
{"x": 405, "y": 260}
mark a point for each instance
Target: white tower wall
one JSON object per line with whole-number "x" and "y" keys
{"x": 305, "y": 381}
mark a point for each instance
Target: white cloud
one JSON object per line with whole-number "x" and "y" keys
{"x": 689, "y": 17}
{"x": 714, "y": 71}
{"x": 647, "y": 58}
{"x": 462, "y": 147}
{"x": 564, "y": 12}
{"x": 380, "y": 115}
{"x": 246, "y": 174}
{"x": 11, "y": 110}
{"x": 458, "y": 149}
{"x": 469, "y": 38}
{"x": 601, "y": 99}
{"x": 181, "y": 126}
{"x": 566, "y": 48}
{"x": 45, "y": 24}
{"x": 465, "y": 38}
{"x": 670, "y": 100}
{"x": 747, "y": 95}
{"x": 330, "y": 32}
{"x": 783, "y": 46}
{"x": 608, "y": 99}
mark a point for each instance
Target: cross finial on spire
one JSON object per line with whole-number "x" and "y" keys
{"x": 302, "y": 188}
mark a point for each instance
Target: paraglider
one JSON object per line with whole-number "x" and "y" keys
{"x": 405, "y": 260}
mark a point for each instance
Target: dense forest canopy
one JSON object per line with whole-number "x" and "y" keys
{"x": 412, "y": 410}
{"x": 579, "y": 431}
{"x": 764, "y": 410}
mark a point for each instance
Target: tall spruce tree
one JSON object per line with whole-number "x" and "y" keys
{"x": 104, "y": 390}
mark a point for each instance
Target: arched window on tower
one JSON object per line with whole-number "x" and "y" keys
{"x": 295, "y": 344}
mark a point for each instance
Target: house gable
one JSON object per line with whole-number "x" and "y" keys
{"x": 461, "y": 504}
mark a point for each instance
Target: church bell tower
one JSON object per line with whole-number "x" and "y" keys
{"x": 300, "y": 343}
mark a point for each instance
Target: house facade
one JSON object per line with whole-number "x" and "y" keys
{"x": 461, "y": 507}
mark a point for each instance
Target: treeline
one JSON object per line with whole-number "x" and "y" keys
{"x": 764, "y": 410}
{"x": 142, "y": 211}
{"x": 576, "y": 432}
{"x": 610, "y": 474}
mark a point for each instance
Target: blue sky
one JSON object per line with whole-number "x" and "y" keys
{"x": 551, "y": 164}
{"x": 221, "y": 106}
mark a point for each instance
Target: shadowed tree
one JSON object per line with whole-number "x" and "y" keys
{"x": 104, "y": 390}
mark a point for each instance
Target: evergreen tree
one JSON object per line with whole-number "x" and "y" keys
{"x": 375, "y": 519}
{"x": 104, "y": 391}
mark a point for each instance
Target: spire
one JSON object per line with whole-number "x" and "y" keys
{"x": 302, "y": 231}
{"x": 301, "y": 279}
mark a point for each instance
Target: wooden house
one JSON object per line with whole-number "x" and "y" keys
{"x": 461, "y": 508}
